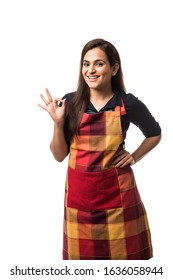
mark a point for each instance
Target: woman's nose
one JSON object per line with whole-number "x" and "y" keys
{"x": 91, "y": 69}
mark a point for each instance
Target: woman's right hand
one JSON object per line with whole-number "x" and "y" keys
{"x": 56, "y": 112}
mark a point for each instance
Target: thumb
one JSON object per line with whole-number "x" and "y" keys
{"x": 59, "y": 102}
{"x": 63, "y": 102}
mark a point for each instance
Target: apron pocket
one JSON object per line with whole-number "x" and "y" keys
{"x": 91, "y": 191}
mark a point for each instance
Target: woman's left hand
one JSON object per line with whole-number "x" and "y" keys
{"x": 122, "y": 159}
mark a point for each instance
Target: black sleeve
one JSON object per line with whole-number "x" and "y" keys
{"x": 68, "y": 97}
{"x": 139, "y": 115}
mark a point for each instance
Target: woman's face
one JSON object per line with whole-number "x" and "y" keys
{"x": 97, "y": 71}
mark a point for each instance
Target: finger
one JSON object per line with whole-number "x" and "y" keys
{"x": 63, "y": 102}
{"x": 123, "y": 161}
{"x": 119, "y": 153}
{"x": 59, "y": 101}
{"x": 125, "y": 164}
{"x": 120, "y": 157}
{"x": 126, "y": 161}
{"x": 43, "y": 107}
{"x": 48, "y": 95}
{"x": 44, "y": 99}
{"x": 121, "y": 164}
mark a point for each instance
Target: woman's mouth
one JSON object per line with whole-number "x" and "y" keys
{"x": 92, "y": 78}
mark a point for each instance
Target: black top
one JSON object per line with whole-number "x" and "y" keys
{"x": 136, "y": 113}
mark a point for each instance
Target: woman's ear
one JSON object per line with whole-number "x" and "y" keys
{"x": 115, "y": 69}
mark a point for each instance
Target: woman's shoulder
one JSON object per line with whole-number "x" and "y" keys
{"x": 131, "y": 102}
{"x": 68, "y": 96}
{"x": 128, "y": 98}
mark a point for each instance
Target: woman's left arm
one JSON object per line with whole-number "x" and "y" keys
{"x": 124, "y": 158}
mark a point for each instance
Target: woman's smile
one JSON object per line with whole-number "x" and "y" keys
{"x": 96, "y": 70}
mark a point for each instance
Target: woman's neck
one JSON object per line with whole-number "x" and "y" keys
{"x": 100, "y": 99}
{"x": 101, "y": 94}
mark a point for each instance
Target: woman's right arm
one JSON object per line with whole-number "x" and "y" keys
{"x": 58, "y": 145}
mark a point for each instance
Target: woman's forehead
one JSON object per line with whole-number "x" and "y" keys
{"x": 95, "y": 54}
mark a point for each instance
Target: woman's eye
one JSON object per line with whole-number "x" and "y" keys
{"x": 99, "y": 64}
{"x": 85, "y": 64}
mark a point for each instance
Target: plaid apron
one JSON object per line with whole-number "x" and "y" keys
{"x": 104, "y": 217}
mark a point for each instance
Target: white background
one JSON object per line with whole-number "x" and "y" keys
{"x": 40, "y": 46}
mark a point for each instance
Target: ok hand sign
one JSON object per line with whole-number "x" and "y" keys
{"x": 56, "y": 112}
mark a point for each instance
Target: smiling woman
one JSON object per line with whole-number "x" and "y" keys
{"x": 96, "y": 68}
{"x": 97, "y": 73}
{"x": 104, "y": 217}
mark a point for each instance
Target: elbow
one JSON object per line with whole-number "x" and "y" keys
{"x": 155, "y": 139}
{"x": 58, "y": 156}
{"x": 158, "y": 138}
{"x": 59, "y": 159}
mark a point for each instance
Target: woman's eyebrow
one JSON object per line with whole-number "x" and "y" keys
{"x": 96, "y": 60}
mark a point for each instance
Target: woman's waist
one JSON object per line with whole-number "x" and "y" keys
{"x": 91, "y": 161}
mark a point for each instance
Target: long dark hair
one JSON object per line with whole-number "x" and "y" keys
{"x": 80, "y": 100}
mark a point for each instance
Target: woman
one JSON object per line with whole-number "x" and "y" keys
{"x": 104, "y": 216}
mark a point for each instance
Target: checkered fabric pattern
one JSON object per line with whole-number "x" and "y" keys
{"x": 99, "y": 138}
{"x": 104, "y": 217}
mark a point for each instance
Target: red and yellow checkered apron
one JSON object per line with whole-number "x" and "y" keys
{"x": 104, "y": 216}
